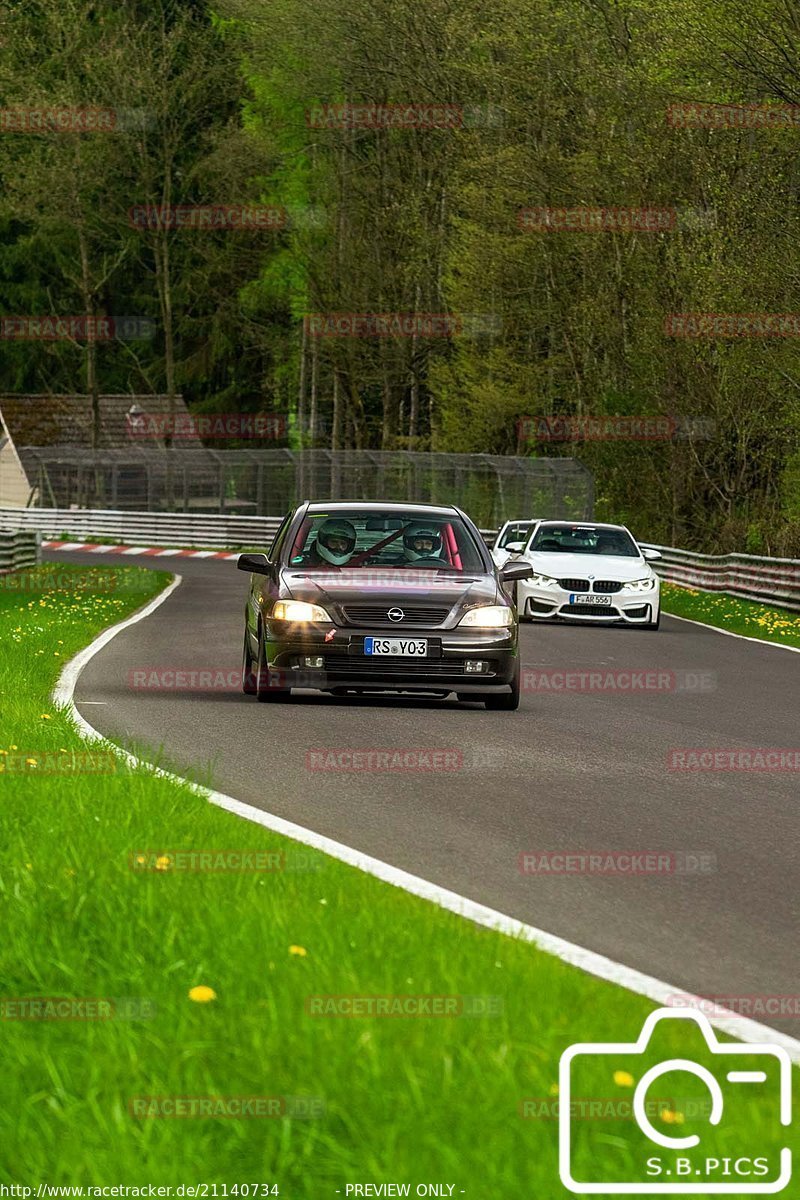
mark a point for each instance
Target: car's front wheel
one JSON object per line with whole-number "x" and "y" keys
{"x": 505, "y": 701}
{"x": 248, "y": 668}
{"x": 266, "y": 691}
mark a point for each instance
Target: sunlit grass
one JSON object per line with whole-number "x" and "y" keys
{"x": 727, "y": 612}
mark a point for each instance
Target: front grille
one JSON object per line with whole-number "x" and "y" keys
{"x": 593, "y": 610}
{"x": 378, "y": 667}
{"x": 368, "y": 615}
{"x": 574, "y": 585}
{"x": 607, "y": 586}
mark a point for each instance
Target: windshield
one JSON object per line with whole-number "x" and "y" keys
{"x": 515, "y": 533}
{"x": 381, "y": 538}
{"x": 584, "y": 539}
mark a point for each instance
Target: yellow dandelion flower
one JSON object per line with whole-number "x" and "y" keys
{"x": 298, "y": 950}
{"x": 202, "y": 994}
{"x": 44, "y": 717}
{"x": 163, "y": 862}
{"x": 623, "y": 1079}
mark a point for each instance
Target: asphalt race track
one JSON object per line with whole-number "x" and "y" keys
{"x": 570, "y": 772}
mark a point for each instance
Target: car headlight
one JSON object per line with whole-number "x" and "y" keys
{"x": 542, "y": 580}
{"x": 298, "y": 610}
{"x": 488, "y": 616}
{"x": 640, "y": 585}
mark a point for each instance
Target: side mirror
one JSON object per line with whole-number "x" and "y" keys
{"x": 514, "y": 547}
{"x": 257, "y": 564}
{"x": 651, "y": 555}
{"x": 516, "y": 571}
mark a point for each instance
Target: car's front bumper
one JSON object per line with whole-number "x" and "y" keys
{"x": 345, "y": 666}
{"x": 553, "y": 604}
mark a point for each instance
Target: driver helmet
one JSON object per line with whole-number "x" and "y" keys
{"x": 422, "y": 541}
{"x": 336, "y": 540}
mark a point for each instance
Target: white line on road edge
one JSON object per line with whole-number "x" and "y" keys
{"x": 729, "y": 632}
{"x": 742, "y": 1028}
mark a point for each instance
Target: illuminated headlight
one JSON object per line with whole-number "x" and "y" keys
{"x": 542, "y": 580}
{"x": 640, "y": 585}
{"x": 488, "y": 616}
{"x": 298, "y": 610}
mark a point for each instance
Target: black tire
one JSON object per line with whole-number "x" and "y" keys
{"x": 248, "y": 669}
{"x": 266, "y": 693}
{"x": 505, "y": 701}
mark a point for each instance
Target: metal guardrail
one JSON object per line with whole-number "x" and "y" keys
{"x": 769, "y": 580}
{"x": 183, "y": 530}
{"x": 19, "y": 549}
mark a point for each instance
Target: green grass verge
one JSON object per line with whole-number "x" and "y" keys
{"x": 727, "y": 612}
{"x": 418, "y": 1100}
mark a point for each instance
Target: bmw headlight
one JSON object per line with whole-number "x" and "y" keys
{"x": 488, "y": 616}
{"x": 542, "y": 580}
{"x": 640, "y": 585}
{"x": 298, "y": 610}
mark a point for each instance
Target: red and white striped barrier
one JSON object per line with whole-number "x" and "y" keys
{"x": 151, "y": 551}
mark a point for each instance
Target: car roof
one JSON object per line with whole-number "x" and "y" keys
{"x": 587, "y": 525}
{"x": 334, "y": 506}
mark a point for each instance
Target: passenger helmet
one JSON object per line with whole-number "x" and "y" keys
{"x": 336, "y": 540}
{"x": 422, "y": 541}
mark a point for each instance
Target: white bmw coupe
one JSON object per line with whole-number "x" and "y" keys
{"x": 588, "y": 572}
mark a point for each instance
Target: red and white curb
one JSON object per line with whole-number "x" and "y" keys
{"x": 150, "y": 551}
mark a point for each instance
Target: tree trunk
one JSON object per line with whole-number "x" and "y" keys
{"x": 336, "y": 438}
{"x": 89, "y": 308}
{"x": 313, "y": 416}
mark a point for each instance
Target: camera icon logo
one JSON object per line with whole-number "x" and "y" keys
{"x": 665, "y": 1162}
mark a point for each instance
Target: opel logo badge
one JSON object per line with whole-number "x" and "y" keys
{"x": 395, "y": 614}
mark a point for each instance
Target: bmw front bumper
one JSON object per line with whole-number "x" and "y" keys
{"x": 554, "y": 604}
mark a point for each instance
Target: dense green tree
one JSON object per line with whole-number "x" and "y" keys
{"x": 559, "y": 103}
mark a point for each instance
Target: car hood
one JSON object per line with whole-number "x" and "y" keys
{"x": 384, "y": 585}
{"x": 581, "y": 566}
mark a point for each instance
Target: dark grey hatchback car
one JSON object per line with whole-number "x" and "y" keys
{"x": 372, "y": 597}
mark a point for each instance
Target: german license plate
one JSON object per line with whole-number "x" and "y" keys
{"x": 579, "y": 599}
{"x": 408, "y": 647}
